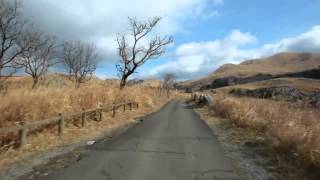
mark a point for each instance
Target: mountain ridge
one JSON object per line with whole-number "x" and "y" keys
{"x": 273, "y": 66}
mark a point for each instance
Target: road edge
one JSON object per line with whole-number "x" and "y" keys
{"x": 21, "y": 169}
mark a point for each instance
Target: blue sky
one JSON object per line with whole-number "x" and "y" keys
{"x": 269, "y": 20}
{"x": 207, "y": 33}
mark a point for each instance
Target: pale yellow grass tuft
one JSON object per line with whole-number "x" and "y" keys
{"x": 289, "y": 129}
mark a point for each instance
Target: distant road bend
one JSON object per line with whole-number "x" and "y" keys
{"x": 172, "y": 144}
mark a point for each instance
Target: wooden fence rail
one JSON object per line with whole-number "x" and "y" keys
{"x": 23, "y": 129}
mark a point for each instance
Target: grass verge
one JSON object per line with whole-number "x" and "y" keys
{"x": 291, "y": 131}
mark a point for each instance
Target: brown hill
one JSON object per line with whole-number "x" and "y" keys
{"x": 278, "y": 64}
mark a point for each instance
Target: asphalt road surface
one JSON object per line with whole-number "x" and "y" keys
{"x": 172, "y": 144}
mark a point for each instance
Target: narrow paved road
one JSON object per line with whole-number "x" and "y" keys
{"x": 172, "y": 144}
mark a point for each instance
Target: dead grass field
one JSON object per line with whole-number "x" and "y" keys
{"x": 55, "y": 95}
{"x": 276, "y": 64}
{"x": 289, "y": 130}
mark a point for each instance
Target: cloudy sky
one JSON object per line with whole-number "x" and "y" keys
{"x": 207, "y": 33}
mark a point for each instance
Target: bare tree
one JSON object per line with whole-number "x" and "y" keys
{"x": 39, "y": 57}
{"x": 11, "y": 30}
{"x": 167, "y": 84}
{"x": 81, "y": 61}
{"x": 69, "y": 57}
{"x": 137, "y": 54}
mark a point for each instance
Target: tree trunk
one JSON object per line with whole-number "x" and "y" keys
{"x": 35, "y": 82}
{"x": 123, "y": 82}
{"x": 3, "y": 86}
{"x": 77, "y": 84}
{"x": 70, "y": 75}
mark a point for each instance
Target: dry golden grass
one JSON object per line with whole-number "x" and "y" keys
{"x": 59, "y": 95}
{"x": 152, "y": 83}
{"x": 46, "y": 140}
{"x": 288, "y": 129}
{"x": 55, "y": 95}
{"x": 276, "y": 64}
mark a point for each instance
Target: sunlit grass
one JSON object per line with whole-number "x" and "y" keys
{"x": 288, "y": 129}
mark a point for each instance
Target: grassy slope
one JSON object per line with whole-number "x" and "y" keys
{"x": 291, "y": 130}
{"x": 277, "y": 64}
{"x": 303, "y": 84}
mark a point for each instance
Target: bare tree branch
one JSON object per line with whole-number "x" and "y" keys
{"x": 168, "y": 83}
{"x": 11, "y": 31}
{"x": 81, "y": 61}
{"x": 136, "y": 55}
{"x": 37, "y": 60}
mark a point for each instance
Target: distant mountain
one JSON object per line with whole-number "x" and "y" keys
{"x": 276, "y": 64}
{"x": 279, "y": 65}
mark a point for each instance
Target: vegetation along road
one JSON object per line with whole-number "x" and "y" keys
{"x": 173, "y": 143}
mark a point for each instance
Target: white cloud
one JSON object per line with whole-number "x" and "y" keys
{"x": 238, "y": 38}
{"x": 197, "y": 59}
{"x": 99, "y": 20}
{"x": 308, "y": 41}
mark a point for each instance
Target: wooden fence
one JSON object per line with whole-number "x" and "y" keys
{"x": 23, "y": 129}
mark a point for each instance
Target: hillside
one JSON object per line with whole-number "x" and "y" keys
{"x": 276, "y": 65}
{"x": 145, "y": 82}
{"x": 303, "y": 84}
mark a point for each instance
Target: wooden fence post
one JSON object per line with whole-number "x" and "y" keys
{"x": 124, "y": 107}
{"x": 61, "y": 124}
{"x": 137, "y": 105}
{"x": 130, "y": 105}
{"x": 83, "y": 117}
{"x": 114, "y": 110}
{"x": 100, "y": 113}
{"x": 23, "y": 135}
